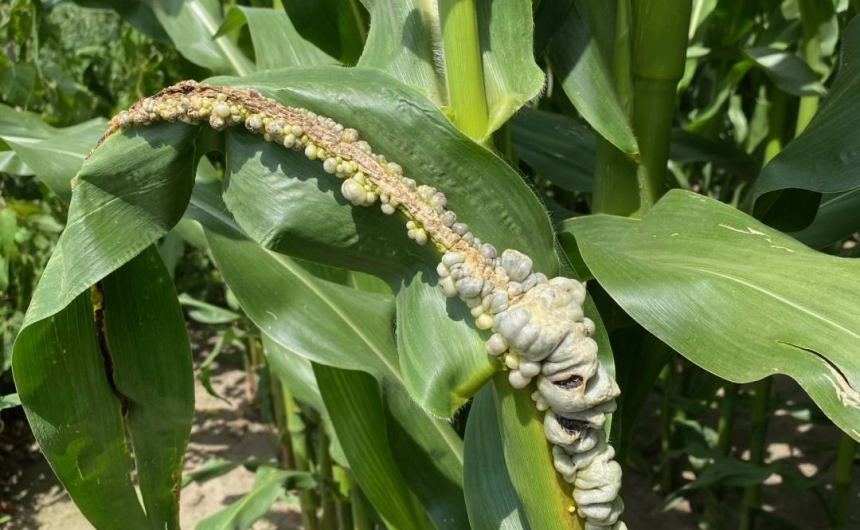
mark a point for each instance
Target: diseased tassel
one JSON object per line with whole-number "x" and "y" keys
{"x": 539, "y": 330}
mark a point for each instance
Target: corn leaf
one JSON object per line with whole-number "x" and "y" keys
{"x": 269, "y": 483}
{"x": 823, "y": 159}
{"x": 740, "y": 299}
{"x": 492, "y": 501}
{"x": 578, "y": 54}
{"x": 94, "y": 369}
{"x": 277, "y": 44}
{"x": 404, "y": 37}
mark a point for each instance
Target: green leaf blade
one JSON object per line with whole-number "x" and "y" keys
{"x": 734, "y": 296}
{"x": 75, "y": 415}
{"x": 151, "y": 359}
{"x": 492, "y": 501}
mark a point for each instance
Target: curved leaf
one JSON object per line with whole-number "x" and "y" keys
{"x": 277, "y": 44}
{"x": 492, "y": 501}
{"x": 511, "y": 76}
{"x": 124, "y": 200}
{"x": 338, "y": 27}
{"x": 404, "y": 41}
{"x": 544, "y": 495}
{"x": 557, "y": 147}
{"x": 824, "y": 158}
{"x": 441, "y": 347}
{"x": 352, "y": 398}
{"x": 281, "y": 296}
{"x": 154, "y": 375}
{"x": 838, "y": 217}
{"x": 192, "y": 26}
{"x": 59, "y": 390}
{"x": 325, "y": 322}
{"x": 578, "y": 56}
{"x": 268, "y": 485}
{"x": 56, "y": 159}
{"x": 787, "y": 71}
{"x": 402, "y": 38}
{"x": 83, "y": 381}
{"x": 740, "y": 299}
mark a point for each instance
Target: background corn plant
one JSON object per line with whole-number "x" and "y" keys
{"x": 745, "y": 268}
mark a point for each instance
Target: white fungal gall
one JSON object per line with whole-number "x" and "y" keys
{"x": 221, "y": 109}
{"x": 575, "y": 354}
{"x": 496, "y": 345}
{"x": 599, "y": 482}
{"x": 589, "y": 326}
{"x": 461, "y": 270}
{"x": 447, "y": 286}
{"x": 488, "y": 251}
{"x": 540, "y": 402}
{"x": 540, "y": 329}
{"x": 529, "y": 368}
{"x": 484, "y": 322}
{"x": 469, "y": 287}
{"x": 517, "y": 264}
{"x": 349, "y": 136}
{"x": 460, "y": 229}
{"x": 561, "y": 397}
{"x": 605, "y": 513}
{"x": 518, "y": 380}
{"x": 217, "y": 123}
{"x": 561, "y": 431}
{"x": 353, "y": 191}
{"x": 254, "y": 124}
{"x": 617, "y": 526}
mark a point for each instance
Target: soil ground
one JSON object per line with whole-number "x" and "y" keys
{"x": 234, "y": 431}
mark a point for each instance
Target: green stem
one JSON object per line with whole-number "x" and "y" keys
{"x": 362, "y": 513}
{"x": 713, "y": 515}
{"x": 329, "y": 518}
{"x": 616, "y": 189}
{"x": 812, "y": 54}
{"x": 776, "y": 120}
{"x": 668, "y": 474}
{"x": 805, "y": 111}
{"x": 660, "y": 29}
{"x": 282, "y": 401}
{"x": 727, "y": 418}
{"x": 344, "y": 506}
{"x": 298, "y": 432}
{"x": 758, "y": 444}
{"x": 463, "y": 71}
{"x": 842, "y": 495}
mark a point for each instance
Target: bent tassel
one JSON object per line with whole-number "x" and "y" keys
{"x": 539, "y": 330}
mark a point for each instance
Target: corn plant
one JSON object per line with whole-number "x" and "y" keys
{"x": 371, "y": 221}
